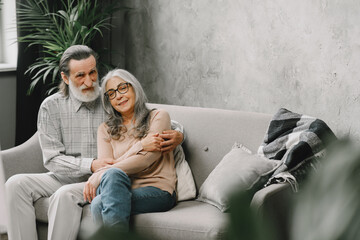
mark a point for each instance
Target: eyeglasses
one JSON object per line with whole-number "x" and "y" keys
{"x": 121, "y": 88}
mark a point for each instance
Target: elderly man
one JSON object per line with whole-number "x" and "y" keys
{"x": 67, "y": 127}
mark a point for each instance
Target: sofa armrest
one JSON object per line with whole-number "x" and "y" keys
{"x": 269, "y": 193}
{"x": 24, "y": 158}
{"x": 273, "y": 206}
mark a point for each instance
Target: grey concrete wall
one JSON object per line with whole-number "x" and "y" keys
{"x": 248, "y": 55}
{"x": 7, "y": 109}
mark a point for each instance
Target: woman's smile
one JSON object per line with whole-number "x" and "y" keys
{"x": 123, "y": 103}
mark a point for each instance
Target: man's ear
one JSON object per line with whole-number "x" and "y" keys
{"x": 65, "y": 78}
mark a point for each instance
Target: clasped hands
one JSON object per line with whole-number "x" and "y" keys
{"x": 164, "y": 142}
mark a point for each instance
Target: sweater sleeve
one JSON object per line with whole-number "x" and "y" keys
{"x": 104, "y": 147}
{"x": 132, "y": 164}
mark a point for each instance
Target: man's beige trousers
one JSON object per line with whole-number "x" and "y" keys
{"x": 64, "y": 214}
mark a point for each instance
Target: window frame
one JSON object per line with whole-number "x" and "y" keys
{"x": 8, "y": 36}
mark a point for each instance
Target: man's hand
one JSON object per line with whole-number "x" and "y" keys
{"x": 151, "y": 143}
{"x": 100, "y": 163}
{"x": 172, "y": 139}
{"x": 91, "y": 185}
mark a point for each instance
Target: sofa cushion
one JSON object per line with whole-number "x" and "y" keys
{"x": 187, "y": 220}
{"x": 238, "y": 170}
{"x": 185, "y": 187}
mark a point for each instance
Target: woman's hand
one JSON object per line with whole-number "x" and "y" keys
{"x": 172, "y": 138}
{"x": 151, "y": 143}
{"x": 91, "y": 185}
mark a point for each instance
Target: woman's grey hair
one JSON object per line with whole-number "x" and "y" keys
{"x": 76, "y": 52}
{"x": 141, "y": 112}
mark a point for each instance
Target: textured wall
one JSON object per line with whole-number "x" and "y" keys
{"x": 252, "y": 55}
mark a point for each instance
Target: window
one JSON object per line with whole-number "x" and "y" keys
{"x": 8, "y": 44}
{"x": 1, "y": 36}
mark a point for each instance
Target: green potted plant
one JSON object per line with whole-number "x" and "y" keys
{"x": 56, "y": 26}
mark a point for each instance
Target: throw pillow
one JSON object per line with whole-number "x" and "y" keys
{"x": 238, "y": 170}
{"x": 185, "y": 187}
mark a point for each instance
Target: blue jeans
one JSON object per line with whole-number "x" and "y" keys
{"x": 116, "y": 201}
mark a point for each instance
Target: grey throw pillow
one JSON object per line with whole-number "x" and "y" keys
{"x": 238, "y": 170}
{"x": 185, "y": 187}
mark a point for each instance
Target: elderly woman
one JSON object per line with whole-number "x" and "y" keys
{"x": 140, "y": 180}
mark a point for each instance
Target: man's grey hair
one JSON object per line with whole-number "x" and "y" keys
{"x": 141, "y": 112}
{"x": 76, "y": 52}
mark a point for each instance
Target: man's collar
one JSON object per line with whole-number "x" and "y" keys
{"x": 90, "y": 105}
{"x": 77, "y": 104}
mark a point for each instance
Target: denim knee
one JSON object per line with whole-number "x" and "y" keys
{"x": 115, "y": 175}
{"x": 96, "y": 209}
{"x": 96, "y": 206}
{"x": 115, "y": 192}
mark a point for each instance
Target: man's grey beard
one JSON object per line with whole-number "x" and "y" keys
{"x": 88, "y": 96}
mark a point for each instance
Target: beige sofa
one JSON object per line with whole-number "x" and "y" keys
{"x": 210, "y": 135}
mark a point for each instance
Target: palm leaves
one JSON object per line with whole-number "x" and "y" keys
{"x": 57, "y": 27}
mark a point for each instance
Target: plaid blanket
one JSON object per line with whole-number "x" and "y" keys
{"x": 297, "y": 141}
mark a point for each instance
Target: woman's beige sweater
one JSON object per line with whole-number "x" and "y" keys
{"x": 144, "y": 168}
